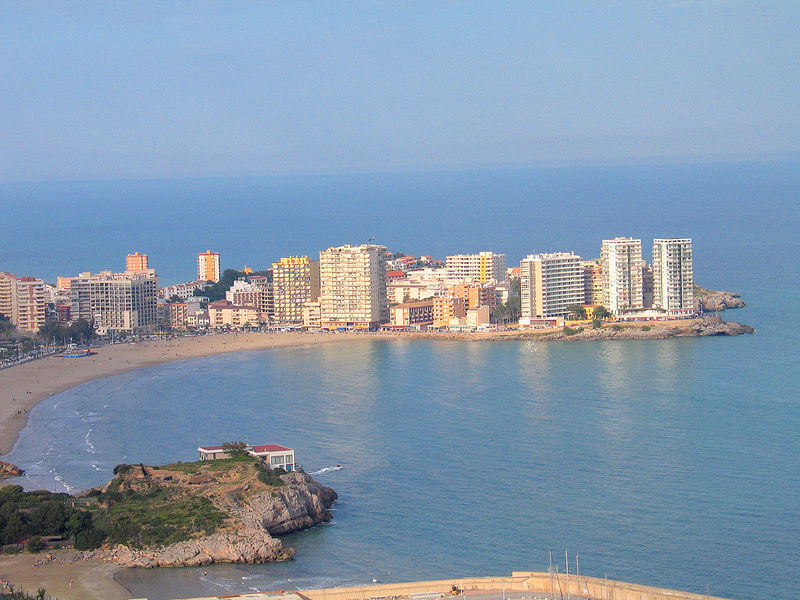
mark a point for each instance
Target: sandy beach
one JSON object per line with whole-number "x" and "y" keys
{"x": 23, "y": 386}
{"x": 91, "y": 580}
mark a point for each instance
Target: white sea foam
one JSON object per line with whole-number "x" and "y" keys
{"x": 327, "y": 470}
{"x": 89, "y": 444}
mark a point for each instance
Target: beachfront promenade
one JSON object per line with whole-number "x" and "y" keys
{"x": 521, "y": 584}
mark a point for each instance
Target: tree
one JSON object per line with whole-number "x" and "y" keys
{"x": 601, "y": 312}
{"x": 576, "y": 310}
{"x": 235, "y": 449}
{"x": 35, "y": 544}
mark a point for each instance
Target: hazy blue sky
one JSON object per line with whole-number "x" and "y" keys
{"x": 137, "y": 89}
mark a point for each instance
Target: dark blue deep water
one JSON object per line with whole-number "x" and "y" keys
{"x": 672, "y": 463}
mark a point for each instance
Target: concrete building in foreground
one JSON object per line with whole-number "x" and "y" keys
{"x": 549, "y": 283}
{"x": 23, "y": 301}
{"x": 483, "y": 267}
{"x": 353, "y": 287}
{"x": 621, "y": 261}
{"x": 295, "y": 281}
{"x": 673, "y": 276}
{"x": 208, "y": 266}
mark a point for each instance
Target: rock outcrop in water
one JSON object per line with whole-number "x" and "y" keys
{"x": 712, "y": 301}
{"x": 8, "y": 470}
{"x": 255, "y": 510}
{"x": 706, "y": 326}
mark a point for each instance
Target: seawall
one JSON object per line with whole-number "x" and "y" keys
{"x": 520, "y": 581}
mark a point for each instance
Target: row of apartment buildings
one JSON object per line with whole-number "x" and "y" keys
{"x": 349, "y": 288}
{"x": 621, "y": 281}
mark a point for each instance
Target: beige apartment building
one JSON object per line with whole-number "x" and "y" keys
{"x": 549, "y": 283}
{"x": 208, "y": 266}
{"x": 244, "y": 293}
{"x": 621, "y": 260}
{"x": 481, "y": 268}
{"x": 673, "y": 276}
{"x": 115, "y": 301}
{"x": 136, "y": 262}
{"x": 474, "y": 295}
{"x": 226, "y": 314}
{"x": 266, "y": 307}
{"x": 353, "y": 287}
{"x": 592, "y": 282}
{"x": 412, "y": 314}
{"x": 312, "y": 315}
{"x": 445, "y": 309}
{"x": 295, "y": 281}
{"x": 23, "y": 300}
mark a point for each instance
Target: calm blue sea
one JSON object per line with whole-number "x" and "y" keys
{"x": 673, "y": 463}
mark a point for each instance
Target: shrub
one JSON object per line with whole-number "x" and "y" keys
{"x": 617, "y": 327}
{"x": 570, "y": 331}
{"x": 271, "y": 477}
{"x": 122, "y": 469}
{"x": 35, "y": 544}
{"x": 646, "y": 328}
{"x": 597, "y": 324}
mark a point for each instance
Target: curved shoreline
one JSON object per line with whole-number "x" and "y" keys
{"x": 23, "y": 386}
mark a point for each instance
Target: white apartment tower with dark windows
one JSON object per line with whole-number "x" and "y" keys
{"x": 353, "y": 287}
{"x": 673, "y": 277}
{"x": 621, "y": 260}
{"x": 549, "y": 283}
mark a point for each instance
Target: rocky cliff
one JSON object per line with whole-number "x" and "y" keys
{"x": 705, "y": 326}
{"x": 712, "y": 301}
{"x": 254, "y": 511}
{"x": 8, "y": 470}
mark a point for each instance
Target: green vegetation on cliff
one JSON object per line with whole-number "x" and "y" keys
{"x": 141, "y": 507}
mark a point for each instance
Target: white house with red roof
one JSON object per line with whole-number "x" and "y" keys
{"x": 273, "y": 454}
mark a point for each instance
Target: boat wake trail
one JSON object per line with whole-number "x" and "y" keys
{"x": 327, "y": 470}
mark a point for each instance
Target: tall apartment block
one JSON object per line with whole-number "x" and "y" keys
{"x": 549, "y": 283}
{"x": 136, "y": 262}
{"x": 266, "y": 307}
{"x": 23, "y": 301}
{"x": 481, "y": 268}
{"x": 673, "y": 276}
{"x": 353, "y": 287}
{"x": 621, "y": 260}
{"x": 295, "y": 281}
{"x": 592, "y": 282}
{"x": 208, "y": 266}
{"x": 115, "y": 301}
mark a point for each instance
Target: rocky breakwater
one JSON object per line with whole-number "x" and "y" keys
{"x": 230, "y": 513}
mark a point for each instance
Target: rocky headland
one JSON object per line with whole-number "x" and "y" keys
{"x": 8, "y": 470}
{"x": 206, "y": 512}
{"x": 712, "y": 301}
{"x": 706, "y": 326}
